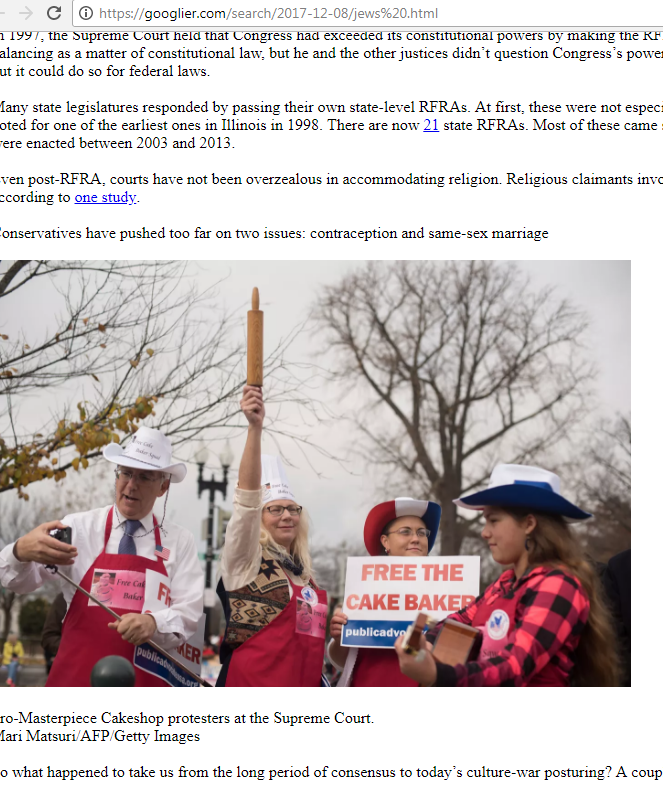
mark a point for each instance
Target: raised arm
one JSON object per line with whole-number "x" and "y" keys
{"x": 254, "y": 410}
{"x": 240, "y": 560}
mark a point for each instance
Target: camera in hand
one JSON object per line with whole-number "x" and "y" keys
{"x": 62, "y": 534}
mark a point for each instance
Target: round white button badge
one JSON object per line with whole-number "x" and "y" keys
{"x": 498, "y": 624}
{"x": 309, "y": 595}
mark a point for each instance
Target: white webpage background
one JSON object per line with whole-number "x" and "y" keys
{"x": 429, "y": 728}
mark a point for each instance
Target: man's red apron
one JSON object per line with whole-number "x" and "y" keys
{"x": 379, "y": 667}
{"x": 289, "y": 651}
{"x": 496, "y": 621}
{"x": 86, "y": 637}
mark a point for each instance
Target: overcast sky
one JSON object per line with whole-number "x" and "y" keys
{"x": 339, "y": 500}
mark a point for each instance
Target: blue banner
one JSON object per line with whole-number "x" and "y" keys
{"x": 372, "y": 633}
{"x": 149, "y": 660}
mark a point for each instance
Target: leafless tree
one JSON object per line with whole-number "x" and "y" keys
{"x": 15, "y": 518}
{"x": 603, "y": 483}
{"x": 128, "y": 340}
{"x": 456, "y": 364}
{"x": 329, "y": 563}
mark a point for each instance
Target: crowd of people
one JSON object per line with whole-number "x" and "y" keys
{"x": 548, "y": 620}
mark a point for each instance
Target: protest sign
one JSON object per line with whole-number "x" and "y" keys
{"x": 383, "y": 596}
{"x": 157, "y": 592}
{"x": 190, "y": 653}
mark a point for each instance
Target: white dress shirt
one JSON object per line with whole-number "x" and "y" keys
{"x": 176, "y": 623}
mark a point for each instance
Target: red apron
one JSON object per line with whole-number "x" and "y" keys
{"x": 284, "y": 653}
{"x": 379, "y": 667}
{"x": 86, "y": 637}
{"x": 496, "y": 621}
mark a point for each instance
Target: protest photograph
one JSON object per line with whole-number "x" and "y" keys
{"x": 314, "y": 473}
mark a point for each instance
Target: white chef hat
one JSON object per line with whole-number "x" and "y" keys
{"x": 274, "y": 480}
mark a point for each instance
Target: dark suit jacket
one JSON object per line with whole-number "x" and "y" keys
{"x": 617, "y": 585}
{"x": 52, "y": 632}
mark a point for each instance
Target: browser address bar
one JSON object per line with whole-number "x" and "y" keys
{"x": 334, "y": 15}
{"x": 166, "y": 14}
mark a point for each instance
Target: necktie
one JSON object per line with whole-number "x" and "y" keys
{"x": 127, "y": 543}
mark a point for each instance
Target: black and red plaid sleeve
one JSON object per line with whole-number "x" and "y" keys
{"x": 551, "y": 615}
{"x": 467, "y": 614}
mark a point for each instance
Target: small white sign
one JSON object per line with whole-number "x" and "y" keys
{"x": 157, "y": 592}
{"x": 190, "y": 654}
{"x": 383, "y": 595}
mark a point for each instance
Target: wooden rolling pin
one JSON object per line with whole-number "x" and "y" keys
{"x": 254, "y": 342}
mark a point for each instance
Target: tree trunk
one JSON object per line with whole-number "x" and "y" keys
{"x": 451, "y": 536}
{"x": 7, "y": 612}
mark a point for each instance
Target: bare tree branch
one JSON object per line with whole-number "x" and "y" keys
{"x": 602, "y": 468}
{"x": 463, "y": 362}
{"x": 130, "y": 341}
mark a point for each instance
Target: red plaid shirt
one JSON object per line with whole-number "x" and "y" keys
{"x": 550, "y": 615}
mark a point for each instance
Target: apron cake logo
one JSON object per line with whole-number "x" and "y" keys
{"x": 103, "y": 586}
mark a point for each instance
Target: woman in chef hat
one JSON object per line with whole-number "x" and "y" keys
{"x": 266, "y": 575}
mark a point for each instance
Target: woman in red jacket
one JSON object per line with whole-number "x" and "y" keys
{"x": 544, "y": 618}
{"x": 401, "y": 527}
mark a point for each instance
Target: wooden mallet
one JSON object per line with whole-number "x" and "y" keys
{"x": 254, "y": 342}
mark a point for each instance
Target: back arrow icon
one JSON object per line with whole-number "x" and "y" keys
{"x": 27, "y": 13}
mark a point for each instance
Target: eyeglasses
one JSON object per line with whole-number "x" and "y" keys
{"x": 408, "y": 533}
{"x": 277, "y": 511}
{"x": 125, "y": 476}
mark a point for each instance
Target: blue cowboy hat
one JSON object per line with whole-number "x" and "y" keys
{"x": 523, "y": 487}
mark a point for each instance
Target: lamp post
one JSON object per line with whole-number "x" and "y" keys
{"x": 212, "y": 486}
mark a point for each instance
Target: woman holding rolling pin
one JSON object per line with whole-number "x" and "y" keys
{"x": 275, "y": 613}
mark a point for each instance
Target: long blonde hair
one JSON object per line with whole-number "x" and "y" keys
{"x": 299, "y": 552}
{"x": 555, "y": 545}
